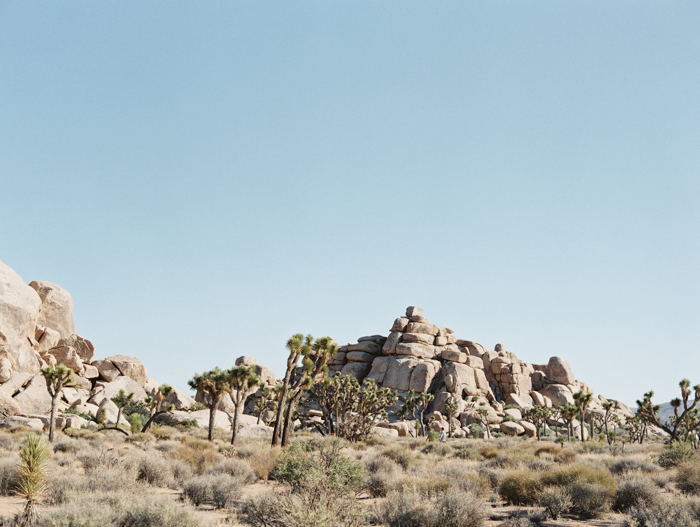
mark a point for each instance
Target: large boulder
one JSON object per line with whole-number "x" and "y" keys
{"x": 35, "y": 398}
{"x": 398, "y": 373}
{"x": 12, "y": 386}
{"x": 56, "y": 310}
{"x": 69, "y": 357}
{"x": 459, "y": 379}
{"x": 8, "y": 407}
{"x": 130, "y": 367}
{"x": 392, "y": 340}
{"x": 558, "y": 394}
{"x": 559, "y": 371}
{"x": 512, "y": 429}
{"x": 83, "y": 347}
{"x": 423, "y": 375}
{"x": 107, "y": 370}
{"x": 180, "y": 400}
{"x": 378, "y": 371}
{"x": 359, "y": 370}
{"x": 46, "y": 338}
{"x": 36, "y": 424}
{"x": 111, "y": 389}
{"x": 19, "y": 309}
{"x": 530, "y": 429}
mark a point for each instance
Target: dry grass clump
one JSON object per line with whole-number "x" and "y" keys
{"x": 381, "y": 476}
{"x": 555, "y": 501}
{"x": 628, "y": 464}
{"x": 489, "y": 452}
{"x": 399, "y": 455}
{"x": 235, "y": 468}
{"x": 676, "y": 512}
{"x": 7, "y": 442}
{"x": 465, "y": 478}
{"x": 440, "y": 449}
{"x": 688, "y": 478}
{"x": 154, "y": 470}
{"x": 453, "y": 508}
{"x": 8, "y": 475}
{"x": 548, "y": 448}
{"x": 264, "y": 462}
{"x": 522, "y": 487}
{"x": 467, "y": 450}
{"x": 200, "y": 454}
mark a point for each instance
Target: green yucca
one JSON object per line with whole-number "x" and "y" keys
{"x": 32, "y": 478}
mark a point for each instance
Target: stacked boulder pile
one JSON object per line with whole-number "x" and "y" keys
{"x": 37, "y": 329}
{"x": 423, "y": 357}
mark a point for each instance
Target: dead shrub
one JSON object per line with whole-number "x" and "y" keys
{"x": 235, "y": 468}
{"x": 635, "y": 491}
{"x": 8, "y": 476}
{"x": 489, "y": 452}
{"x": 381, "y": 476}
{"x": 624, "y": 465}
{"x": 688, "y": 478}
{"x": 440, "y": 449}
{"x": 565, "y": 456}
{"x": 590, "y": 500}
{"x": 197, "y": 490}
{"x": 198, "y": 453}
{"x": 154, "y": 470}
{"x": 556, "y": 501}
{"x": 225, "y": 490}
{"x": 402, "y": 457}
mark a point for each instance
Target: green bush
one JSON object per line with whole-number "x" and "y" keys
{"x": 522, "y": 487}
{"x": 136, "y": 423}
{"x": 676, "y": 454}
{"x": 73, "y": 411}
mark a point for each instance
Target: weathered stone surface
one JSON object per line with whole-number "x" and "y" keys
{"x": 419, "y": 338}
{"x": 414, "y": 349}
{"x": 151, "y": 386}
{"x": 523, "y": 401}
{"x": 423, "y": 375}
{"x": 47, "y": 338}
{"x": 384, "y": 432}
{"x": 8, "y": 407}
{"x": 56, "y": 310}
{"x": 11, "y": 386}
{"x": 35, "y": 398}
{"x": 530, "y": 429}
{"x": 403, "y": 428}
{"x": 513, "y": 412}
{"x": 360, "y": 356}
{"x": 108, "y": 371}
{"x": 419, "y": 318}
{"x": 111, "y": 389}
{"x": 10, "y": 422}
{"x": 83, "y": 347}
{"x": 359, "y": 370}
{"x": 255, "y": 431}
{"x": 559, "y": 371}
{"x": 454, "y": 356}
{"x": 482, "y": 382}
{"x": 413, "y": 310}
{"x": 440, "y": 341}
{"x": 475, "y": 362}
{"x": 459, "y": 379}
{"x": 394, "y": 338}
{"x": 180, "y": 400}
{"x": 512, "y": 429}
{"x": 74, "y": 421}
{"x": 267, "y": 376}
{"x": 19, "y": 309}
{"x": 367, "y": 346}
{"x": 246, "y": 361}
{"x": 112, "y": 412}
{"x": 398, "y": 373}
{"x": 90, "y": 372}
{"x": 67, "y": 356}
{"x": 399, "y": 324}
{"x": 537, "y": 398}
{"x": 5, "y": 368}
{"x": 130, "y": 367}
{"x": 377, "y": 339}
{"x": 426, "y": 329}
{"x": 378, "y": 371}
{"x": 558, "y": 394}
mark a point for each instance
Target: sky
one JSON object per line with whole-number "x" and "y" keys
{"x": 208, "y": 179}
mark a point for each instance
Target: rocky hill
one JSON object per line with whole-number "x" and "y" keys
{"x": 37, "y": 329}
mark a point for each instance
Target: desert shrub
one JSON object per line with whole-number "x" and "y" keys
{"x": 630, "y": 464}
{"x": 154, "y": 470}
{"x": 376, "y": 440}
{"x": 441, "y": 449}
{"x": 225, "y": 490}
{"x": 162, "y": 432}
{"x": 452, "y": 509}
{"x": 263, "y": 463}
{"x": 67, "y": 446}
{"x": 197, "y": 490}
{"x": 517, "y": 521}
{"x": 99, "y": 460}
{"x": 492, "y": 475}
{"x": 107, "y": 480}
{"x": 467, "y": 451}
{"x": 489, "y": 452}
{"x": 290, "y": 509}
{"x": 381, "y": 475}
{"x": 570, "y": 474}
{"x": 198, "y": 453}
{"x": 400, "y": 456}
{"x": 466, "y": 479}
{"x": 539, "y": 465}
{"x": 548, "y": 449}
{"x": 677, "y": 512}
{"x": 59, "y": 487}
{"x": 8, "y": 476}
{"x": 635, "y": 491}
{"x": 688, "y": 478}
{"x": 7, "y": 443}
{"x": 522, "y": 487}
{"x": 565, "y": 456}
{"x": 180, "y": 470}
{"x": 589, "y": 499}
{"x": 556, "y": 501}
{"x": 235, "y": 468}
{"x": 676, "y": 454}
{"x": 426, "y": 485}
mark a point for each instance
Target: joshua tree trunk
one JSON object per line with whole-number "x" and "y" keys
{"x": 277, "y": 434}
{"x": 212, "y": 415}
{"x": 54, "y": 401}
{"x": 288, "y": 418}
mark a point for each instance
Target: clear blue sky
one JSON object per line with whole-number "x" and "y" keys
{"x": 207, "y": 179}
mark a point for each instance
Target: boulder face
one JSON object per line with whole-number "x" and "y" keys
{"x": 559, "y": 371}
{"x": 19, "y": 309}
{"x": 130, "y": 367}
{"x": 56, "y": 310}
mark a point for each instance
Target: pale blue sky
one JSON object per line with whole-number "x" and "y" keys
{"x": 207, "y": 179}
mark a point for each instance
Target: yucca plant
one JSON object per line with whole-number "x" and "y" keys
{"x": 32, "y": 478}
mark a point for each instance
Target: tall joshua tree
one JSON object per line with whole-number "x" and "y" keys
{"x": 57, "y": 377}
{"x": 157, "y": 404}
{"x": 297, "y": 379}
{"x": 568, "y": 414}
{"x": 121, "y": 400}
{"x": 211, "y": 385}
{"x": 683, "y": 408}
{"x": 242, "y": 382}
{"x": 582, "y": 400}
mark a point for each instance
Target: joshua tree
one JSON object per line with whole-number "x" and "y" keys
{"x": 568, "y": 414}
{"x": 242, "y": 382}
{"x": 298, "y": 379}
{"x": 608, "y": 406}
{"x": 157, "y": 404}
{"x": 57, "y": 377}
{"x": 32, "y": 478}
{"x": 482, "y": 414}
{"x": 121, "y": 400}
{"x": 450, "y": 412}
{"x": 211, "y": 385}
{"x": 679, "y": 421}
{"x": 415, "y": 406}
{"x": 262, "y": 402}
{"x": 582, "y": 400}
{"x": 538, "y": 415}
